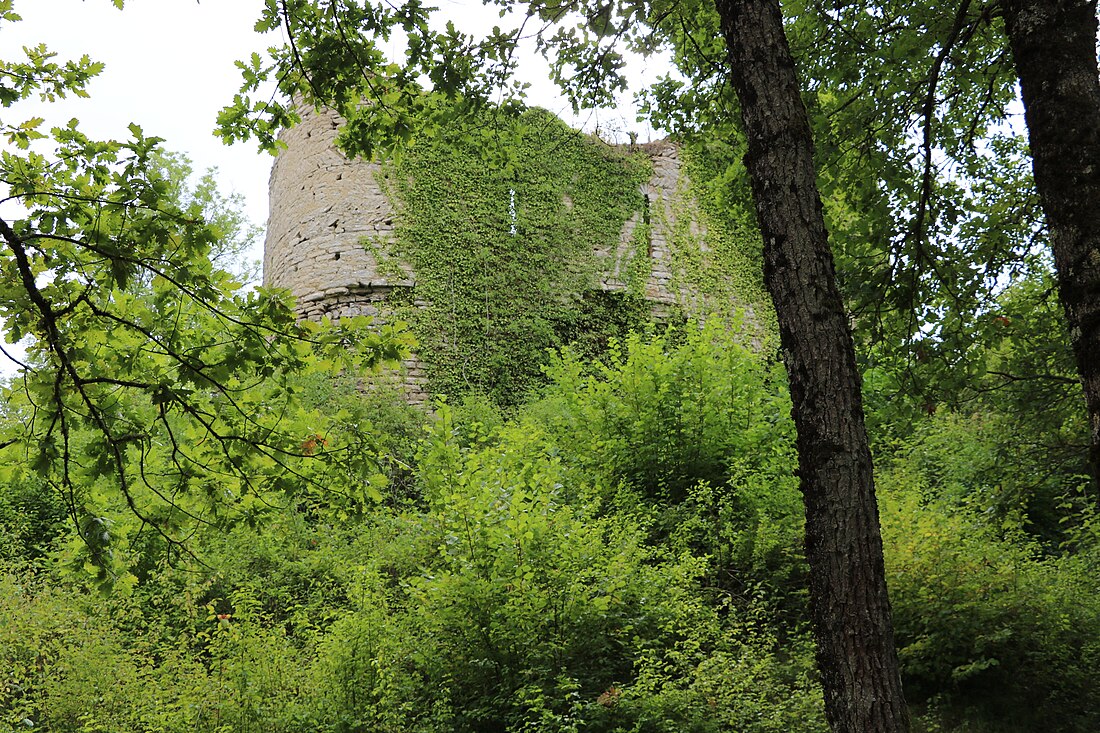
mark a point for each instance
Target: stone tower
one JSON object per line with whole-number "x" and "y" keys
{"x": 324, "y": 206}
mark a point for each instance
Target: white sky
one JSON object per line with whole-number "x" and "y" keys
{"x": 169, "y": 68}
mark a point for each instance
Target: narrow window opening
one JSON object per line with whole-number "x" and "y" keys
{"x": 512, "y": 210}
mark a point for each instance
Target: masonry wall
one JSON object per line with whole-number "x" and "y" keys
{"x": 323, "y": 206}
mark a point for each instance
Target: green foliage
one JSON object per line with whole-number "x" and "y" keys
{"x": 1029, "y": 366}
{"x": 986, "y": 630}
{"x": 926, "y": 186}
{"x": 234, "y": 234}
{"x": 594, "y": 318}
{"x": 666, "y": 412}
{"x": 39, "y": 74}
{"x": 337, "y": 57}
{"x": 518, "y": 611}
{"x": 499, "y": 606}
{"x": 156, "y": 396}
{"x": 77, "y": 663}
{"x": 692, "y": 432}
{"x": 530, "y": 610}
{"x": 502, "y": 207}
{"x": 510, "y": 599}
{"x": 32, "y": 517}
{"x": 616, "y": 557}
{"x": 338, "y": 54}
{"x": 147, "y": 373}
{"x": 728, "y": 266}
{"x": 621, "y": 555}
{"x": 1002, "y": 468}
{"x": 53, "y": 653}
{"x": 1013, "y": 447}
{"x": 508, "y": 261}
{"x": 502, "y": 257}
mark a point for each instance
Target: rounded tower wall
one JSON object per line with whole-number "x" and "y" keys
{"x": 323, "y": 208}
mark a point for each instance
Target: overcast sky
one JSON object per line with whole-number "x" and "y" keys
{"x": 169, "y": 68}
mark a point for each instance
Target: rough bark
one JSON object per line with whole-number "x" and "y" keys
{"x": 1054, "y": 46}
{"x": 851, "y": 612}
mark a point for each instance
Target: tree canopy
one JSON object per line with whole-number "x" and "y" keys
{"x": 151, "y": 376}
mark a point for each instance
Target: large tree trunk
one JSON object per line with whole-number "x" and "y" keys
{"x": 1054, "y": 46}
{"x": 851, "y": 612}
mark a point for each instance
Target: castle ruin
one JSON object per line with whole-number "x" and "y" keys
{"x": 325, "y": 209}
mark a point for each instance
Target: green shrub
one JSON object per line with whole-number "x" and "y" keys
{"x": 73, "y": 662}
{"x": 623, "y": 555}
{"x": 986, "y": 628}
{"x": 688, "y": 433}
{"x": 1003, "y": 470}
{"x": 524, "y": 609}
{"x": 504, "y": 608}
{"x": 32, "y": 515}
{"x": 668, "y": 411}
{"x": 63, "y": 666}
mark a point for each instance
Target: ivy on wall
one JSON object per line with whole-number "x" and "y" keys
{"x": 505, "y": 256}
{"x": 727, "y": 269}
{"x": 508, "y": 241}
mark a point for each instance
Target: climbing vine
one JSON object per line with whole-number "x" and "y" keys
{"x": 507, "y": 257}
{"x": 716, "y": 248}
{"x": 550, "y": 243}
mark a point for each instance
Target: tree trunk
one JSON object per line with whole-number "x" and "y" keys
{"x": 1054, "y": 46}
{"x": 851, "y": 612}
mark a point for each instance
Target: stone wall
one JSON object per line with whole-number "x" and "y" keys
{"x": 323, "y": 206}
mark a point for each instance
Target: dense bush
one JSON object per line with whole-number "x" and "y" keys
{"x": 32, "y": 515}
{"x": 527, "y": 613}
{"x": 622, "y": 555}
{"x": 988, "y": 630}
{"x": 690, "y": 433}
{"x": 75, "y": 662}
{"x": 667, "y": 412}
{"x": 1012, "y": 476}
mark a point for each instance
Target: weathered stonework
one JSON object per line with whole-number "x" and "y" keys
{"x": 323, "y": 207}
